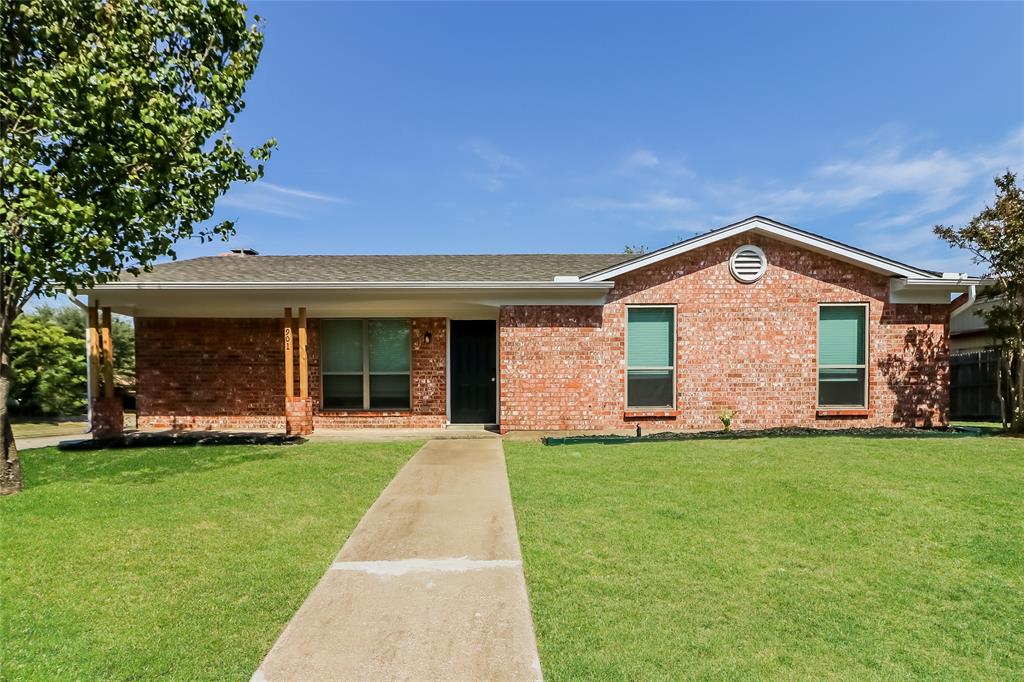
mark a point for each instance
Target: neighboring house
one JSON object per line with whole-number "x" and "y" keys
{"x": 967, "y": 329}
{"x": 785, "y": 327}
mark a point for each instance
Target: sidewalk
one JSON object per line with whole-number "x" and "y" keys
{"x": 428, "y": 587}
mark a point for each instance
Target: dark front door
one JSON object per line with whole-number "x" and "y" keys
{"x": 474, "y": 373}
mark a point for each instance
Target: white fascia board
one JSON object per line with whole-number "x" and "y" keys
{"x": 782, "y": 232}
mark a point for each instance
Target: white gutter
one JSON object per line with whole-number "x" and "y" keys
{"x": 972, "y": 296}
{"x": 548, "y": 285}
{"x": 945, "y": 281}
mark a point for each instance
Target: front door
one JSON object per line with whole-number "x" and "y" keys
{"x": 474, "y": 376}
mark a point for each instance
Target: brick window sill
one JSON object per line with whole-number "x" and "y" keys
{"x": 823, "y": 412}
{"x": 637, "y": 414}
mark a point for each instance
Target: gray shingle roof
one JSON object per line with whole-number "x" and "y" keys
{"x": 486, "y": 268}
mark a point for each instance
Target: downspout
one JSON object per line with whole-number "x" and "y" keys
{"x": 88, "y": 365}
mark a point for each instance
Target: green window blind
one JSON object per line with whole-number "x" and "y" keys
{"x": 389, "y": 345}
{"x": 650, "y": 337}
{"x": 342, "y": 345}
{"x": 841, "y": 335}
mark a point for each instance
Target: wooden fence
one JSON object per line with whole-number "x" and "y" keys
{"x": 972, "y": 382}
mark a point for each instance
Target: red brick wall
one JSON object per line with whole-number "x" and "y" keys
{"x": 209, "y": 373}
{"x": 746, "y": 347}
{"x": 229, "y": 373}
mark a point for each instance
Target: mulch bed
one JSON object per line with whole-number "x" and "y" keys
{"x": 171, "y": 438}
{"x": 794, "y": 432}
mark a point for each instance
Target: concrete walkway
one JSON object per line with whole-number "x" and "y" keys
{"x": 46, "y": 441}
{"x": 428, "y": 587}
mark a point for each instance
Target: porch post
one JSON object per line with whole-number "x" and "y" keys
{"x": 108, "y": 356}
{"x": 298, "y": 410}
{"x": 107, "y": 410}
{"x": 94, "y": 352}
{"x": 303, "y": 356}
{"x": 289, "y": 362}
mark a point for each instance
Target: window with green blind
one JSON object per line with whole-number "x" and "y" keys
{"x": 842, "y": 356}
{"x": 650, "y": 357}
{"x": 366, "y": 364}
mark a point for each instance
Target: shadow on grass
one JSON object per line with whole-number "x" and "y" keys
{"x": 138, "y": 465}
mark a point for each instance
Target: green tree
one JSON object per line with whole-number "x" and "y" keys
{"x": 73, "y": 320}
{"x": 48, "y": 368}
{"x": 113, "y": 143}
{"x": 995, "y": 237}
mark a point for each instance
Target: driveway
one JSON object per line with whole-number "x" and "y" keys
{"x": 428, "y": 587}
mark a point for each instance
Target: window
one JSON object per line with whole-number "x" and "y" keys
{"x": 365, "y": 364}
{"x": 842, "y": 356}
{"x": 650, "y": 357}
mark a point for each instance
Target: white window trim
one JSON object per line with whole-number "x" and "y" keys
{"x": 365, "y": 373}
{"x": 867, "y": 356}
{"x": 675, "y": 359}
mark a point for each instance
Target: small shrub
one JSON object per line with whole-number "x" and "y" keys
{"x": 726, "y": 416}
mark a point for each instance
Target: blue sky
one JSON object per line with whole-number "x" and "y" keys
{"x": 493, "y": 128}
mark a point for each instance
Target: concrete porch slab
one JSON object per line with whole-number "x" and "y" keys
{"x": 387, "y": 434}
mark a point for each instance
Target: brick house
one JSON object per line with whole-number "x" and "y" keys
{"x": 784, "y": 327}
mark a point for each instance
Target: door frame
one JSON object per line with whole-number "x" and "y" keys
{"x": 448, "y": 367}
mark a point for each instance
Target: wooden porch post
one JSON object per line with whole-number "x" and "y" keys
{"x": 94, "y": 351}
{"x": 108, "y": 356}
{"x": 298, "y": 411}
{"x": 303, "y": 356}
{"x": 289, "y": 362}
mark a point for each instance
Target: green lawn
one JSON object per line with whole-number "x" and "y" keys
{"x": 172, "y": 563}
{"x": 788, "y": 558}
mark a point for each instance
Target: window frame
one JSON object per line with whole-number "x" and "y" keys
{"x": 867, "y": 355}
{"x": 675, "y": 359}
{"x": 366, "y": 372}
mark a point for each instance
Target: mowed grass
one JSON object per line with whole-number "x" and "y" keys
{"x": 789, "y": 558}
{"x": 172, "y": 563}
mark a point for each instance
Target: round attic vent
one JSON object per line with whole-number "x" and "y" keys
{"x": 748, "y": 263}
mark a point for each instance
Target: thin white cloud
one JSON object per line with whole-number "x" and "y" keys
{"x": 641, "y": 158}
{"x": 494, "y": 157}
{"x": 278, "y": 200}
{"x": 304, "y": 194}
{"x": 658, "y": 201}
{"x": 259, "y": 204}
{"x": 498, "y": 168}
{"x": 890, "y": 185}
{"x": 913, "y": 185}
{"x": 938, "y": 178}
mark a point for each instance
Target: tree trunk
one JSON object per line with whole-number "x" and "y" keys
{"x": 10, "y": 465}
{"x": 1004, "y": 417}
{"x": 1016, "y": 370}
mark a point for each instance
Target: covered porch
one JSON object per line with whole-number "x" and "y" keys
{"x": 334, "y": 358}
